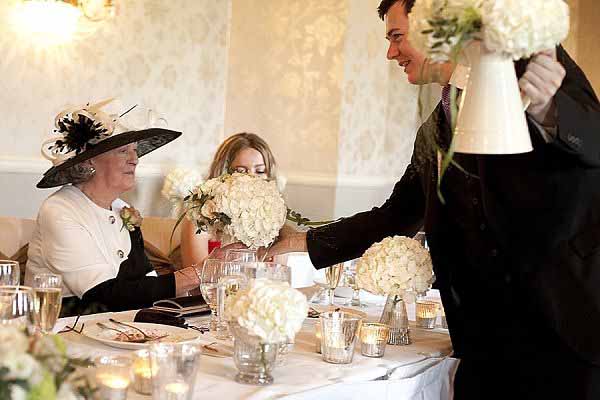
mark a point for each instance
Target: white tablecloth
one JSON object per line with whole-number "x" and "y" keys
{"x": 418, "y": 371}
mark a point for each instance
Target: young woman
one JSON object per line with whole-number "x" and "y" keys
{"x": 242, "y": 152}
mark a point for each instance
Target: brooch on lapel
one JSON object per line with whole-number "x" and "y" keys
{"x": 131, "y": 218}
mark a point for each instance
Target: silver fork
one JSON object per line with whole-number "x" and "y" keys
{"x": 147, "y": 337}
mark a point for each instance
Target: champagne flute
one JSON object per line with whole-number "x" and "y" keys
{"x": 47, "y": 290}
{"x": 16, "y": 306}
{"x": 9, "y": 272}
{"x": 332, "y": 276}
{"x": 350, "y": 273}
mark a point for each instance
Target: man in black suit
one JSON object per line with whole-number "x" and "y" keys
{"x": 515, "y": 247}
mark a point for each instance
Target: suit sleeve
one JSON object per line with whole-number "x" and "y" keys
{"x": 401, "y": 214}
{"x": 578, "y": 112}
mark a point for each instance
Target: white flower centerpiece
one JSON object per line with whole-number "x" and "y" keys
{"x": 487, "y": 35}
{"x": 261, "y": 316}
{"x": 179, "y": 184}
{"x": 36, "y": 367}
{"x": 401, "y": 268}
{"x": 247, "y": 208}
{"x": 519, "y": 29}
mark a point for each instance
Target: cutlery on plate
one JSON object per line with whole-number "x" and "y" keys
{"x": 129, "y": 337}
{"x": 146, "y": 336}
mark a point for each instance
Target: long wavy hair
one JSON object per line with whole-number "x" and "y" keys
{"x": 229, "y": 149}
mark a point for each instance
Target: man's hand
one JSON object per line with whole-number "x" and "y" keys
{"x": 289, "y": 241}
{"x": 541, "y": 81}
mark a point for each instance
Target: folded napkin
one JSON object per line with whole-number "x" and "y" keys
{"x": 159, "y": 317}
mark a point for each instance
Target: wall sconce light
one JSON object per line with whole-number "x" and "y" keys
{"x": 57, "y": 21}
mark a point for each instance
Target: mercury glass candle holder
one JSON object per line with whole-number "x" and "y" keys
{"x": 174, "y": 370}
{"x": 142, "y": 372}
{"x": 426, "y": 313}
{"x": 373, "y": 337}
{"x": 443, "y": 322}
{"x": 318, "y": 337}
{"x": 339, "y": 332}
{"x": 113, "y": 377}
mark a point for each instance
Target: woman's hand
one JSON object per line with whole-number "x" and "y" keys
{"x": 185, "y": 280}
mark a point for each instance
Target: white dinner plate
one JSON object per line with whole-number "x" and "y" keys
{"x": 108, "y": 337}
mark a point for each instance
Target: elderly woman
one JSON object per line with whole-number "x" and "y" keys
{"x": 82, "y": 230}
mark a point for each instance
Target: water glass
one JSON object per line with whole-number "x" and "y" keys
{"x": 241, "y": 255}
{"x": 47, "y": 289}
{"x": 174, "y": 370}
{"x": 17, "y": 306}
{"x": 339, "y": 331}
{"x": 9, "y": 273}
{"x": 113, "y": 377}
{"x": 373, "y": 338}
{"x": 426, "y": 313}
{"x": 268, "y": 270}
{"x": 228, "y": 286}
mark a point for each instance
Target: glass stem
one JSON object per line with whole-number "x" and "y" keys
{"x": 356, "y": 297}
{"x": 331, "y": 291}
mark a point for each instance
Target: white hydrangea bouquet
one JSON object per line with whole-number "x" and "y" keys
{"x": 270, "y": 310}
{"x": 178, "y": 184}
{"x": 36, "y": 367}
{"x": 396, "y": 266}
{"x": 442, "y": 28}
{"x": 248, "y": 208}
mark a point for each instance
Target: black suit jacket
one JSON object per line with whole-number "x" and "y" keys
{"x": 516, "y": 247}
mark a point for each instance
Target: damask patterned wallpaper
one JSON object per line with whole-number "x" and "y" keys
{"x": 170, "y": 56}
{"x": 310, "y": 76}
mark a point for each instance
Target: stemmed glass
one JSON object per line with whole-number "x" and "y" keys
{"x": 9, "y": 272}
{"x": 241, "y": 255}
{"x": 212, "y": 270}
{"x": 47, "y": 289}
{"x": 16, "y": 306}
{"x": 332, "y": 277}
{"x": 350, "y": 275}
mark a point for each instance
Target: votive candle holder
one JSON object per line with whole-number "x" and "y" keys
{"x": 339, "y": 331}
{"x": 373, "y": 337}
{"x": 113, "y": 377}
{"x": 142, "y": 372}
{"x": 426, "y": 313}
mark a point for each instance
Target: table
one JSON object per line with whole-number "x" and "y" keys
{"x": 422, "y": 370}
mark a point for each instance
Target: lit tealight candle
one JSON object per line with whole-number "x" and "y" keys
{"x": 112, "y": 387}
{"x": 176, "y": 391}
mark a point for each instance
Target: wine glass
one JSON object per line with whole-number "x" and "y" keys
{"x": 267, "y": 270}
{"x": 350, "y": 275}
{"x": 241, "y": 255}
{"x": 212, "y": 270}
{"x": 16, "y": 306}
{"x": 47, "y": 290}
{"x": 9, "y": 272}
{"x": 332, "y": 277}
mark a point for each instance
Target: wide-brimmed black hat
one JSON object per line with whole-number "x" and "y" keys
{"x": 86, "y": 132}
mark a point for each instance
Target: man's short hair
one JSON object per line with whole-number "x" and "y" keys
{"x": 385, "y": 6}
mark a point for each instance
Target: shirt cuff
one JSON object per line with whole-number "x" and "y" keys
{"x": 548, "y": 133}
